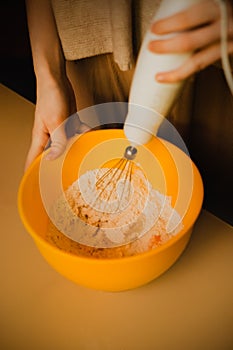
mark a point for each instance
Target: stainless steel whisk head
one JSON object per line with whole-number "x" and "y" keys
{"x": 114, "y": 186}
{"x": 130, "y": 153}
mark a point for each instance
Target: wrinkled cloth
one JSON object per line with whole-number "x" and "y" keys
{"x": 93, "y": 27}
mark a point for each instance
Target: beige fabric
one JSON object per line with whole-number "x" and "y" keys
{"x": 143, "y": 12}
{"x": 121, "y": 33}
{"x": 92, "y": 27}
{"x": 84, "y": 27}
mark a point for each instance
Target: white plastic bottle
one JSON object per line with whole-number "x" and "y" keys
{"x": 149, "y": 100}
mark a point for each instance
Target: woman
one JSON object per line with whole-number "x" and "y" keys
{"x": 84, "y": 53}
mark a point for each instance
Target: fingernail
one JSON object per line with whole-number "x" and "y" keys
{"x": 153, "y": 27}
{"x": 51, "y": 155}
{"x": 150, "y": 46}
{"x": 159, "y": 77}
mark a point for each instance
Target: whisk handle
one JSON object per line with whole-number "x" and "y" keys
{"x": 149, "y": 100}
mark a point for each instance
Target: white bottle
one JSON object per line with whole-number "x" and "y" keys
{"x": 149, "y": 100}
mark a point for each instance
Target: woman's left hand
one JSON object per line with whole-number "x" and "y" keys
{"x": 198, "y": 30}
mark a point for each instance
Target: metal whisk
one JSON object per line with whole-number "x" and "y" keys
{"x": 114, "y": 186}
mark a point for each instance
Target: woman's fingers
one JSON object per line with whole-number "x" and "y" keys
{"x": 196, "y": 15}
{"x": 74, "y": 126}
{"x": 39, "y": 140}
{"x": 83, "y": 128}
{"x": 58, "y": 137}
{"x": 58, "y": 142}
{"x": 196, "y": 30}
{"x": 195, "y": 63}
{"x": 55, "y": 102}
{"x": 187, "y": 41}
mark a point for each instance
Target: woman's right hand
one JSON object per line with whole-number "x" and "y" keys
{"x": 55, "y": 102}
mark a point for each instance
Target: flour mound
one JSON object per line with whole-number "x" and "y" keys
{"x": 86, "y": 220}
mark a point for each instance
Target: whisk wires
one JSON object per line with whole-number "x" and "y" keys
{"x": 114, "y": 186}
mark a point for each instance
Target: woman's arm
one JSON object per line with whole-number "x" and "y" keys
{"x": 55, "y": 96}
{"x": 47, "y": 53}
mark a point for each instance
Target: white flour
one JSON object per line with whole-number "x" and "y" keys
{"x": 145, "y": 219}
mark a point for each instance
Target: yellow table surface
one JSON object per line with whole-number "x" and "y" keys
{"x": 189, "y": 307}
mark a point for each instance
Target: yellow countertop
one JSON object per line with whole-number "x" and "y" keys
{"x": 190, "y": 307}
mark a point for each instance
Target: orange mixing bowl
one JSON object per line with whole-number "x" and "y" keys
{"x": 169, "y": 170}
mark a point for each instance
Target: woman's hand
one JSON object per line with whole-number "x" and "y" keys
{"x": 55, "y": 102}
{"x": 55, "y": 96}
{"x": 199, "y": 28}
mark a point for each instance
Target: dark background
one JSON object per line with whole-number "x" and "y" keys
{"x": 16, "y": 68}
{"x": 16, "y": 72}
